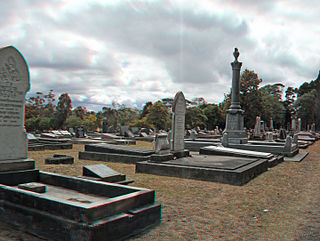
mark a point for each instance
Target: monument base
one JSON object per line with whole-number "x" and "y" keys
{"x": 235, "y": 132}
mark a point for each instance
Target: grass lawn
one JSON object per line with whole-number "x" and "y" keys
{"x": 276, "y": 205}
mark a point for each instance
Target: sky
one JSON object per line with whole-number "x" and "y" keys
{"x": 133, "y": 51}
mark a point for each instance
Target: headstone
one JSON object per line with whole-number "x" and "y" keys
{"x": 129, "y": 134}
{"x": 295, "y": 139}
{"x": 105, "y": 125}
{"x": 123, "y": 130}
{"x": 282, "y": 134}
{"x": 269, "y": 136}
{"x": 288, "y": 144}
{"x": 313, "y": 127}
{"x": 14, "y": 83}
{"x": 178, "y": 122}
{"x": 169, "y": 137}
{"x": 135, "y": 130}
{"x": 161, "y": 144}
{"x": 193, "y": 135}
{"x": 299, "y": 125}
{"x": 262, "y": 127}
{"x": 293, "y": 124}
{"x": 80, "y": 131}
{"x": 99, "y": 170}
{"x": 271, "y": 125}
{"x": 257, "y": 128}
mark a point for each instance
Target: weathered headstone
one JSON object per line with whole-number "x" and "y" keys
{"x": 299, "y": 125}
{"x": 193, "y": 135}
{"x": 257, "y": 128}
{"x": 14, "y": 83}
{"x": 123, "y": 130}
{"x": 293, "y": 124}
{"x": 282, "y": 134}
{"x": 178, "y": 122}
{"x": 161, "y": 144}
{"x": 105, "y": 125}
{"x": 80, "y": 131}
{"x": 313, "y": 127}
{"x": 271, "y": 125}
{"x": 99, "y": 170}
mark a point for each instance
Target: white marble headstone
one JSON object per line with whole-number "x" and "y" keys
{"x": 14, "y": 83}
{"x": 178, "y": 122}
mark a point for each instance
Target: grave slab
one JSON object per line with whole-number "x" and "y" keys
{"x": 223, "y": 169}
{"x": 297, "y": 158}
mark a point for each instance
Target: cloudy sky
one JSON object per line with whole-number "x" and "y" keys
{"x": 133, "y": 51}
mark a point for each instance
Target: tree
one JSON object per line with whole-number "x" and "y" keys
{"x": 213, "y": 116}
{"x": 145, "y": 110}
{"x": 158, "y": 116}
{"x": 63, "y": 110}
{"x": 195, "y": 117}
{"x": 250, "y": 97}
{"x": 289, "y": 106}
{"x": 44, "y": 123}
{"x": 73, "y": 121}
{"x": 80, "y": 112}
{"x": 273, "y": 109}
{"x": 306, "y": 106}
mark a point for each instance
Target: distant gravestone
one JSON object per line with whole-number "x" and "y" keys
{"x": 129, "y": 134}
{"x": 193, "y": 135}
{"x": 80, "y": 132}
{"x": 313, "y": 127}
{"x": 14, "y": 83}
{"x": 271, "y": 125}
{"x": 178, "y": 122}
{"x": 282, "y": 134}
{"x": 99, "y": 170}
{"x": 123, "y": 130}
{"x": 105, "y": 125}
{"x": 293, "y": 124}
{"x": 299, "y": 125}
{"x": 257, "y": 128}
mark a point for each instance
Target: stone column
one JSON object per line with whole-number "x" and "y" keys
{"x": 235, "y": 132}
{"x": 236, "y": 66}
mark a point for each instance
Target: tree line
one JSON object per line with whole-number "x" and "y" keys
{"x": 270, "y": 101}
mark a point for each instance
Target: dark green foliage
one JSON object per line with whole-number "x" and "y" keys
{"x": 158, "y": 116}
{"x": 195, "y": 117}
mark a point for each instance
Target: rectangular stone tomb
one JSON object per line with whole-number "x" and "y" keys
{"x": 225, "y": 169}
{"x": 114, "y": 153}
{"x": 77, "y": 209}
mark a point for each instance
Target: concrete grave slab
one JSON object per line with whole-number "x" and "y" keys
{"x": 224, "y": 169}
{"x": 297, "y": 158}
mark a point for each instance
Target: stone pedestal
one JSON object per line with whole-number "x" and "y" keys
{"x": 234, "y": 132}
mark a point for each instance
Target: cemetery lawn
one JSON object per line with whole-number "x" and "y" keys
{"x": 280, "y": 204}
